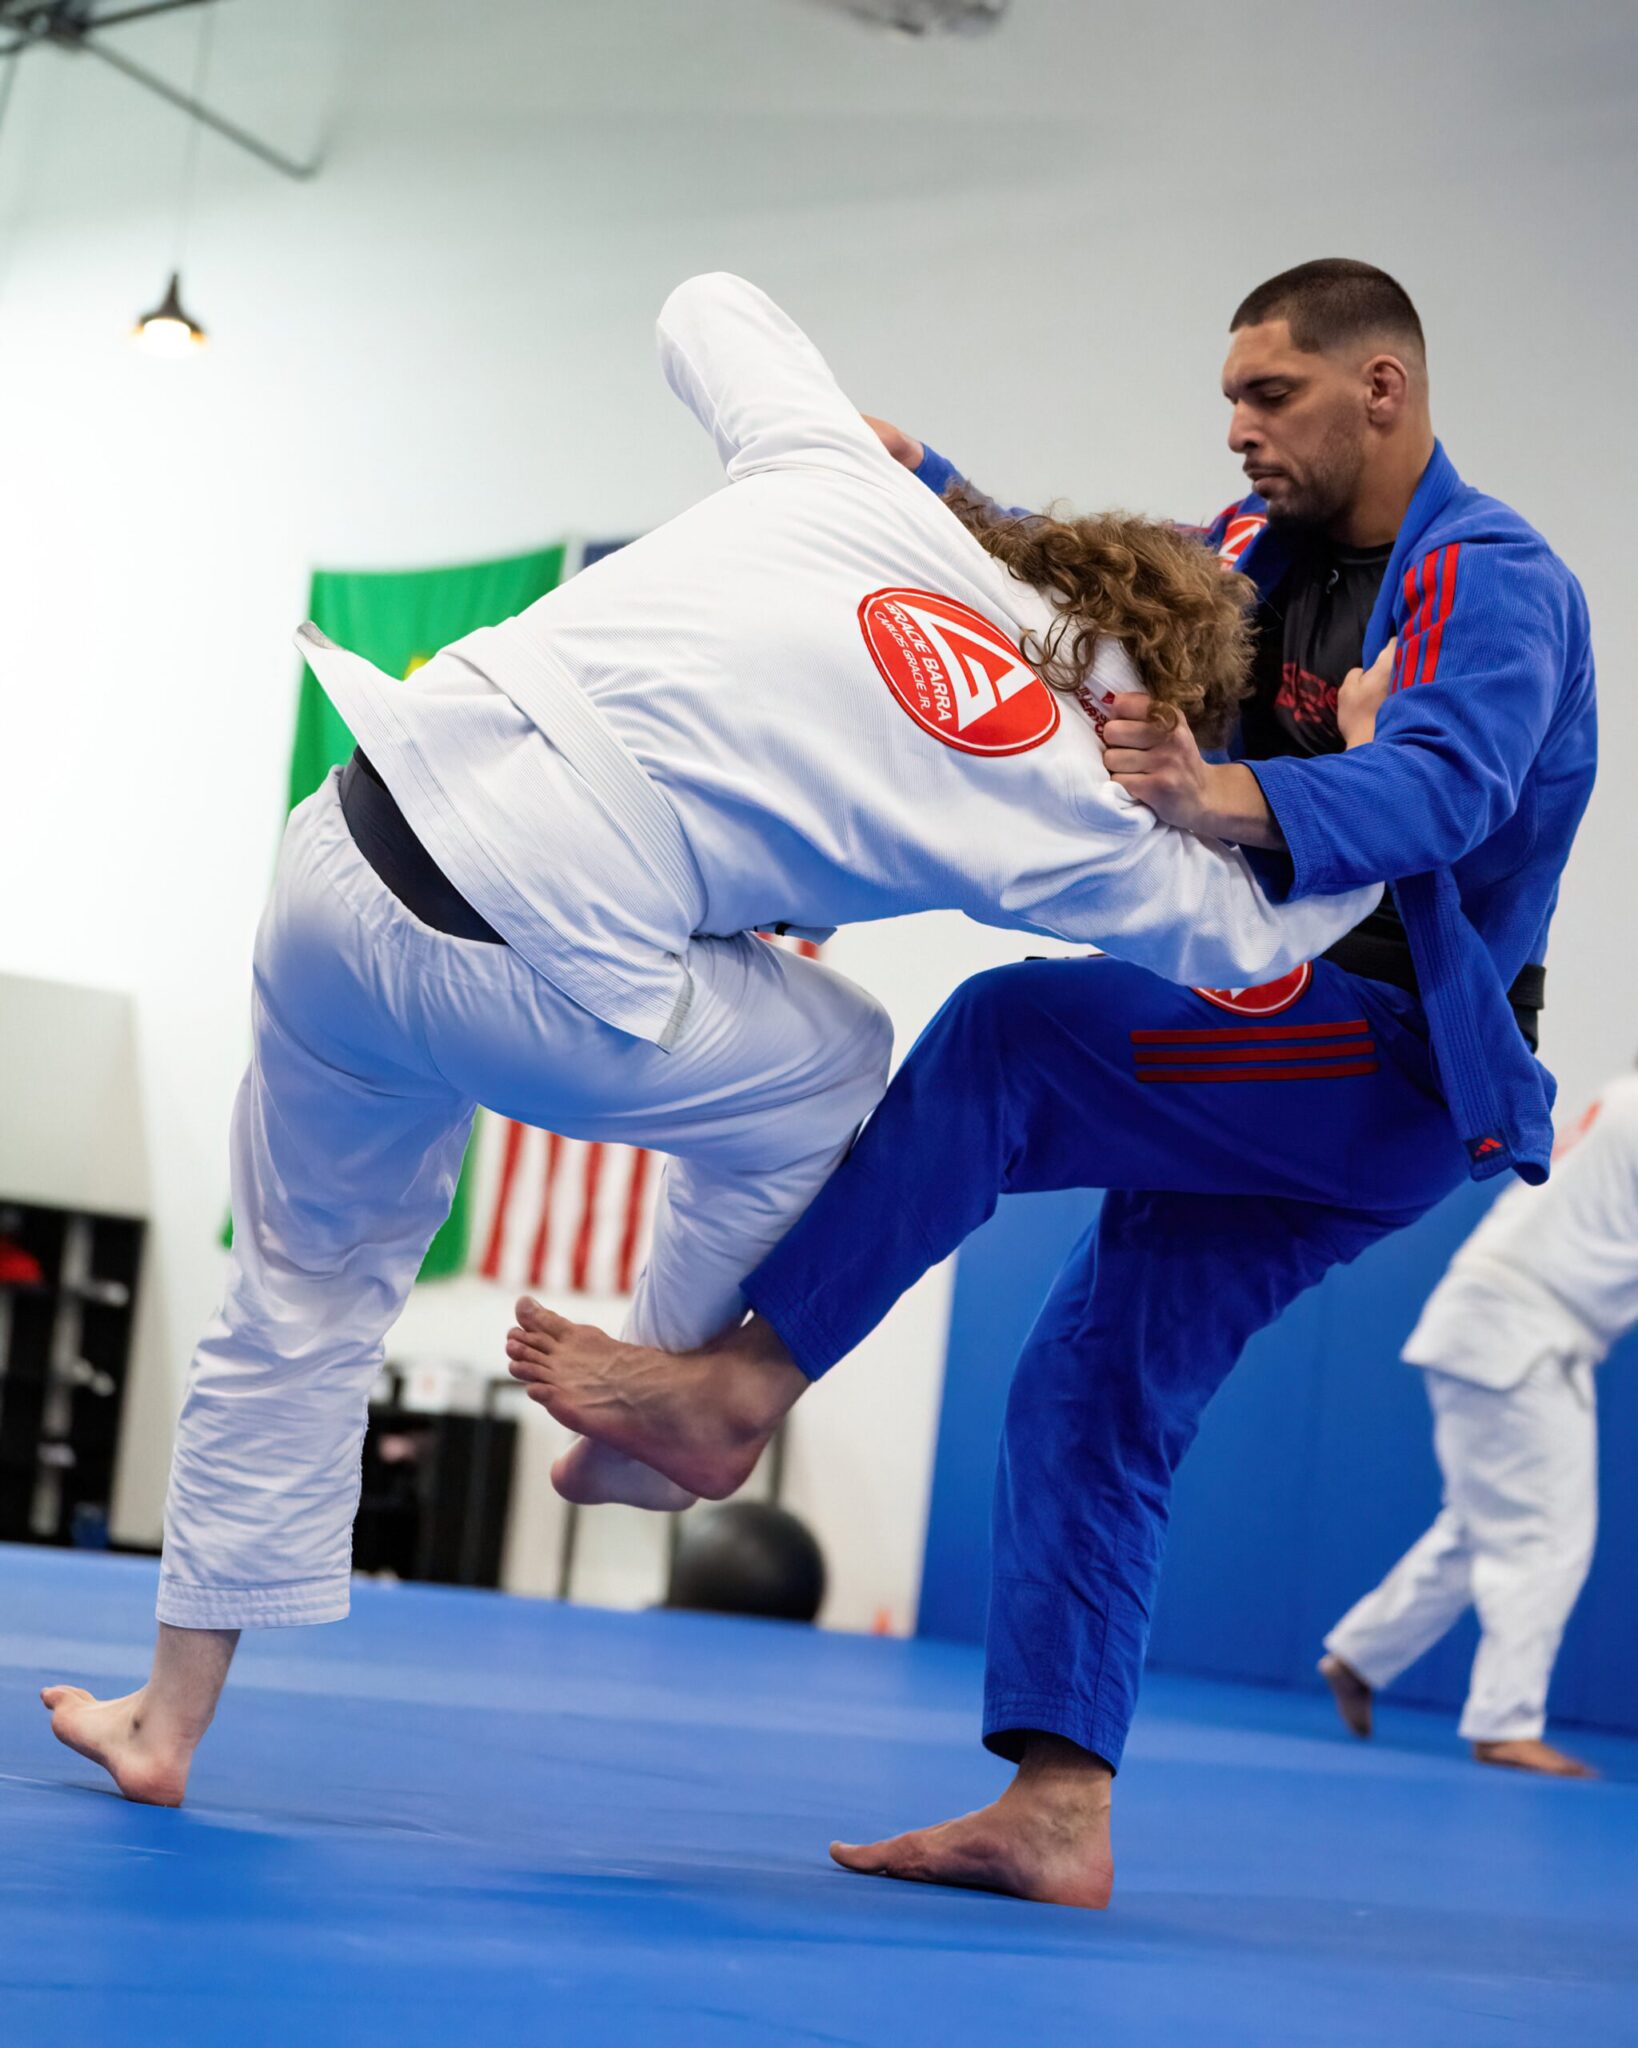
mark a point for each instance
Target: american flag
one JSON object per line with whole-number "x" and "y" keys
{"x": 559, "y": 1214}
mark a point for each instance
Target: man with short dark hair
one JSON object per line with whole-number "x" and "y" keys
{"x": 1250, "y": 1139}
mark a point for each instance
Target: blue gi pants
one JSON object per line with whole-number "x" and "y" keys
{"x": 1245, "y": 1156}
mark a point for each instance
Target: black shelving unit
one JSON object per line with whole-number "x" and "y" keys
{"x": 65, "y": 1351}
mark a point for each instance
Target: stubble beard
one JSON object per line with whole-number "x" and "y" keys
{"x": 1328, "y": 490}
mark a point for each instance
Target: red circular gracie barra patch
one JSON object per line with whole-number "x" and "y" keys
{"x": 1267, "y": 1001}
{"x": 959, "y": 677}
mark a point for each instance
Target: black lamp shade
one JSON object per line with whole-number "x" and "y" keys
{"x": 168, "y": 318}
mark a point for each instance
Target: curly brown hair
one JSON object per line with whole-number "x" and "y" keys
{"x": 1183, "y": 619}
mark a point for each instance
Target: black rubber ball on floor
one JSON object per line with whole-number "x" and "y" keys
{"x": 747, "y": 1557}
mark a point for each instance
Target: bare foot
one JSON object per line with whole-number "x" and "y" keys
{"x": 118, "y": 1735}
{"x": 701, "y": 1418}
{"x": 1533, "y": 1755}
{"x": 593, "y": 1476}
{"x": 1349, "y": 1690}
{"x": 1046, "y": 1838}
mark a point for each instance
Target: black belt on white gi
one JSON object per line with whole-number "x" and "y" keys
{"x": 382, "y": 834}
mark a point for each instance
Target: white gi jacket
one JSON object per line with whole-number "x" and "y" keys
{"x": 1551, "y": 1269}
{"x": 800, "y": 703}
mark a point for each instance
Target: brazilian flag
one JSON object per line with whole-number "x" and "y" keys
{"x": 398, "y": 619}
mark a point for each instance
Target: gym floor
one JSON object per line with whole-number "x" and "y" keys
{"x": 464, "y": 1817}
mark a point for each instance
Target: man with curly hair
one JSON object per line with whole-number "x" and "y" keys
{"x": 1250, "y": 1138}
{"x": 801, "y": 703}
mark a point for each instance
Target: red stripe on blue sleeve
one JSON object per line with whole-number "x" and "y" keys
{"x": 1447, "y": 597}
{"x": 1417, "y": 623}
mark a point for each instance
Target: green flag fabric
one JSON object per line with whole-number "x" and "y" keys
{"x": 398, "y": 619}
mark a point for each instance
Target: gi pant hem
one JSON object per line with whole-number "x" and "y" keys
{"x": 1520, "y": 1728}
{"x": 1009, "y": 1716}
{"x": 291, "y": 1606}
{"x": 1376, "y": 1674}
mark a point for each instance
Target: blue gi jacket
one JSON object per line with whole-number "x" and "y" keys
{"x": 1469, "y": 800}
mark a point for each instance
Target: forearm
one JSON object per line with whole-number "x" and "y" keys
{"x": 1236, "y": 809}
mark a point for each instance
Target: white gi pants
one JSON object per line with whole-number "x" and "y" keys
{"x": 374, "y": 1038}
{"x": 1513, "y": 1539}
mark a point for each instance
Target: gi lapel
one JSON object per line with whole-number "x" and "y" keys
{"x": 1438, "y": 486}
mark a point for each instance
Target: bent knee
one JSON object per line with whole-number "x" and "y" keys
{"x": 851, "y": 1045}
{"x": 860, "y": 1078}
{"x": 873, "y": 1044}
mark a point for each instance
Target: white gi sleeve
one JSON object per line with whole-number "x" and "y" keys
{"x": 759, "y": 387}
{"x": 1187, "y": 908}
{"x": 1548, "y": 1270}
{"x": 1581, "y": 1233}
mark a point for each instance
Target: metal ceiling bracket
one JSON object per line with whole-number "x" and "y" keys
{"x": 71, "y": 25}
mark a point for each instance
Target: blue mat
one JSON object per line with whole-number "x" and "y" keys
{"x": 462, "y": 1818}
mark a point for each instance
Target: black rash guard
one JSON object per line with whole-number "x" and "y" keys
{"x": 1310, "y": 633}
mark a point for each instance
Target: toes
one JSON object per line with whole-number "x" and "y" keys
{"x": 525, "y": 1365}
{"x": 868, "y": 1858}
{"x": 539, "y": 1321}
{"x": 55, "y": 1696}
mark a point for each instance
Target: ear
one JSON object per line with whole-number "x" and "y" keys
{"x": 1387, "y": 389}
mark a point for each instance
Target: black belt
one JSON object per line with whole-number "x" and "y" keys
{"x": 1385, "y": 959}
{"x": 382, "y": 834}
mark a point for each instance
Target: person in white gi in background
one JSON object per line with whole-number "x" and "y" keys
{"x": 803, "y": 702}
{"x": 1508, "y": 1342}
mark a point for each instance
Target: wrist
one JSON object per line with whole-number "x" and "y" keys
{"x": 1234, "y": 808}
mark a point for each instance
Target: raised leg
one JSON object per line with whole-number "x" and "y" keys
{"x": 1045, "y": 1075}
{"x": 1068, "y": 1073}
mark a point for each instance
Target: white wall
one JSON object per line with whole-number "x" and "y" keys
{"x": 71, "y": 1130}
{"x": 1027, "y": 246}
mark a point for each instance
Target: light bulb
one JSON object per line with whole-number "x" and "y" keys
{"x": 168, "y": 330}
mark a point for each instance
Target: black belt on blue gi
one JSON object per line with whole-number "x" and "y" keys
{"x": 382, "y": 834}
{"x": 1379, "y": 959}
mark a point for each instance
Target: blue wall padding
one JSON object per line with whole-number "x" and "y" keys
{"x": 1313, "y": 1470}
